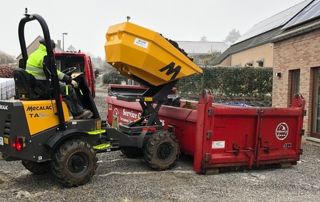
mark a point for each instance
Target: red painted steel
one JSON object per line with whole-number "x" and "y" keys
{"x": 223, "y": 136}
{"x": 87, "y": 66}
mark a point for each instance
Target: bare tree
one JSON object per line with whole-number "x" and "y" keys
{"x": 203, "y": 38}
{"x": 233, "y": 36}
{"x": 5, "y": 58}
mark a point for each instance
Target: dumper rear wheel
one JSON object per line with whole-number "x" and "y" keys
{"x": 74, "y": 163}
{"x": 161, "y": 150}
{"x": 36, "y": 168}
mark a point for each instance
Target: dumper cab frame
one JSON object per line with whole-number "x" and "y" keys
{"x": 68, "y": 59}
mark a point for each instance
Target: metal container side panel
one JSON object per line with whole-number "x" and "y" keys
{"x": 186, "y": 136}
{"x": 234, "y": 111}
{"x": 280, "y": 136}
{"x": 181, "y": 114}
{"x": 233, "y": 140}
{"x": 184, "y": 122}
{"x": 185, "y": 132}
{"x": 225, "y": 136}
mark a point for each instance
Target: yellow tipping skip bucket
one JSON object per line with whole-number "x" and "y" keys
{"x": 142, "y": 54}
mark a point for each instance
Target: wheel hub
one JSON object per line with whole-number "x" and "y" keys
{"x": 164, "y": 151}
{"x": 78, "y": 163}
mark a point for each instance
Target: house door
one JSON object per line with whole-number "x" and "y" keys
{"x": 316, "y": 104}
{"x": 294, "y": 84}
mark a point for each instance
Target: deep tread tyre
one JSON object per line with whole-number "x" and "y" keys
{"x": 131, "y": 152}
{"x": 161, "y": 150}
{"x": 36, "y": 168}
{"x": 74, "y": 163}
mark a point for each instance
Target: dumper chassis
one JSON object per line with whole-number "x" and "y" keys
{"x": 146, "y": 135}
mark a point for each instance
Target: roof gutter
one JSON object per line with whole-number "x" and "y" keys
{"x": 297, "y": 32}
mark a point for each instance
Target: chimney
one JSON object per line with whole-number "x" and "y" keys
{"x": 59, "y": 44}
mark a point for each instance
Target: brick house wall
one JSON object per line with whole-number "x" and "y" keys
{"x": 301, "y": 52}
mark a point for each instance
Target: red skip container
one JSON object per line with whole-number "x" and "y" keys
{"x": 224, "y": 136}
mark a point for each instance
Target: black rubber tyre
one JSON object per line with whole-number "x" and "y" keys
{"x": 161, "y": 150}
{"x": 132, "y": 152}
{"x": 74, "y": 163}
{"x": 36, "y": 168}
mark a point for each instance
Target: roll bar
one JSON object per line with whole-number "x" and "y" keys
{"x": 49, "y": 62}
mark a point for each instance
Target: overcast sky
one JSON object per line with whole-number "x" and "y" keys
{"x": 86, "y": 21}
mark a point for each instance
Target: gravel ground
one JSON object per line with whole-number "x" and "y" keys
{"x": 121, "y": 179}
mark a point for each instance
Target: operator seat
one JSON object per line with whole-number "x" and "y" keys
{"x": 25, "y": 85}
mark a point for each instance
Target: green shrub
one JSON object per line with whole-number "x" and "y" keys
{"x": 113, "y": 77}
{"x": 230, "y": 83}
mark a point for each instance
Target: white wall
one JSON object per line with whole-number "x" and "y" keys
{"x": 7, "y": 88}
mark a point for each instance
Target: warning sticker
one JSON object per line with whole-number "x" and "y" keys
{"x": 282, "y": 131}
{"x": 218, "y": 144}
{"x": 141, "y": 43}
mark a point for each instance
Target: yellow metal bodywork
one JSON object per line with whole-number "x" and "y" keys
{"x": 137, "y": 51}
{"x": 41, "y": 115}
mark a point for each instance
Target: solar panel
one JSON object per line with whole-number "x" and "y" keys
{"x": 274, "y": 21}
{"x": 310, "y": 12}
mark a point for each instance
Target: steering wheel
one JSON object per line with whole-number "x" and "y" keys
{"x": 71, "y": 70}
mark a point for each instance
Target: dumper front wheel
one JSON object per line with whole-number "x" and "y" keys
{"x": 161, "y": 150}
{"x": 74, "y": 163}
{"x": 36, "y": 168}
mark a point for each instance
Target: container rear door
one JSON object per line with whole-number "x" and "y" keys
{"x": 279, "y": 136}
{"x": 230, "y": 137}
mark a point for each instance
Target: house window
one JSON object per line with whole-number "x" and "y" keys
{"x": 260, "y": 63}
{"x": 294, "y": 83}
{"x": 316, "y": 104}
{"x": 249, "y": 64}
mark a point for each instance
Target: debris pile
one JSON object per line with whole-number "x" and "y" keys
{"x": 6, "y": 72}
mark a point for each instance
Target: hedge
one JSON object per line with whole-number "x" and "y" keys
{"x": 113, "y": 77}
{"x": 248, "y": 85}
{"x": 231, "y": 83}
